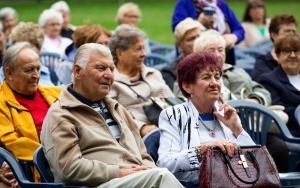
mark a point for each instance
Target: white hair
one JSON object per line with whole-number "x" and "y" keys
{"x": 50, "y": 14}
{"x": 4, "y": 12}
{"x": 82, "y": 56}
{"x": 61, "y": 6}
{"x": 207, "y": 38}
{"x": 127, "y": 7}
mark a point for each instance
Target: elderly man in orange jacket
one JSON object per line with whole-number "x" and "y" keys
{"x": 23, "y": 102}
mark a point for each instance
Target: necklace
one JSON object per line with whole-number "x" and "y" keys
{"x": 211, "y": 132}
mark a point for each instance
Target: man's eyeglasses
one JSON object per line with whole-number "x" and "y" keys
{"x": 289, "y": 52}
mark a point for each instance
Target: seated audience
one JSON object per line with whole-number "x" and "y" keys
{"x": 280, "y": 24}
{"x": 51, "y": 21}
{"x": 67, "y": 28}
{"x": 203, "y": 121}
{"x": 255, "y": 23}
{"x": 9, "y": 18}
{"x": 225, "y": 21}
{"x": 284, "y": 81}
{"x": 130, "y": 13}
{"x": 185, "y": 34}
{"x": 24, "y": 102}
{"x": 90, "y": 139}
{"x": 131, "y": 75}
{"x": 237, "y": 84}
{"x": 33, "y": 34}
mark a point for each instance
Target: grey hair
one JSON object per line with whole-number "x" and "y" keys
{"x": 123, "y": 37}
{"x": 207, "y": 38}
{"x": 82, "y": 56}
{"x": 126, "y": 7}
{"x": 50, "y": 14}
{"x": 61, "y": 6}
{"x": 12, "y": 53}
{"x": 29, "y": 32}
{"x": 4, "y": 12}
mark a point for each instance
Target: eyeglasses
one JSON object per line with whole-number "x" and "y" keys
{"x": 132, "y": 16}
{"x": 289, "y": 52}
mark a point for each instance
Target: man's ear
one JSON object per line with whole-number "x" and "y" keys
{"x": 179, "y": 46}
{"x": 8, "y": 73}
{"x": 76, "y": 71}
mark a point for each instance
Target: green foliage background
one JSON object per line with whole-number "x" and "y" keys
{"x": 157, "y": 14}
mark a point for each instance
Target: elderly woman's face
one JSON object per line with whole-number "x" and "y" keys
{"x": 218, "y": 50}
{"x": 102, "y": 39}
{"x": 53, "y": 27}
{"x": 10, "y": 22}
{"x": 289, "y": 59}
{"x": 131, "y": 17}
{"x": 207, "y": 86}
{"x": 25, "y": 76}
{"x": 134, "y": 56}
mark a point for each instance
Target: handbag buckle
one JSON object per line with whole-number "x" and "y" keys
{"x": 243, "y": 162}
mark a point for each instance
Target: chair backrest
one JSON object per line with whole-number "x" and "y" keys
{"x": 156, "y": 61}
{"x": 19, "y": 174}
{"x": 41, "y": 164}
{"x": 151, "y": 141}
{"x": 256, "y": 120}
{"x": 162, "y": 49}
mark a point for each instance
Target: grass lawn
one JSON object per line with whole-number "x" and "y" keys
{"x": 157, "y": 14}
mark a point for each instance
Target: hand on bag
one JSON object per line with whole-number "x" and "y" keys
{"x": 147, "y": 128}
{"x": 226, "y": 147}
{"x": 7, "y": 177}
{"x": 230, "y": 118}
{"x": 134, "y": 169}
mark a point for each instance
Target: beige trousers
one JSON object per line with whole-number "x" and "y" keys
{"x": 152, "y": 178}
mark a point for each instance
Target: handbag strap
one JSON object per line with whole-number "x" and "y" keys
{"x": 138, "y": 95}
{"x": 227, "y": 160}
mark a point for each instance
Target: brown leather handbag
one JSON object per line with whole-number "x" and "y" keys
{"x": 253, "y": 166}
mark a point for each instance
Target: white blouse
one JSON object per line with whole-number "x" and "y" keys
{"x": 181, "y": 131}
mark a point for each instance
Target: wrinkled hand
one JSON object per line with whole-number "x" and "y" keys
{"x": 230, "y": 118}
{"x": 147, "y": 128}
{"x": 7, "y": 177}
{"x": 226, "y": 147}
{"x": 134, "y": 169}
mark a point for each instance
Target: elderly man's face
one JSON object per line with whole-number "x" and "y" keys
{"x": 185, "y": 47}
{"x": 95, "y": 81}
{"x": 24, "y": 77}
